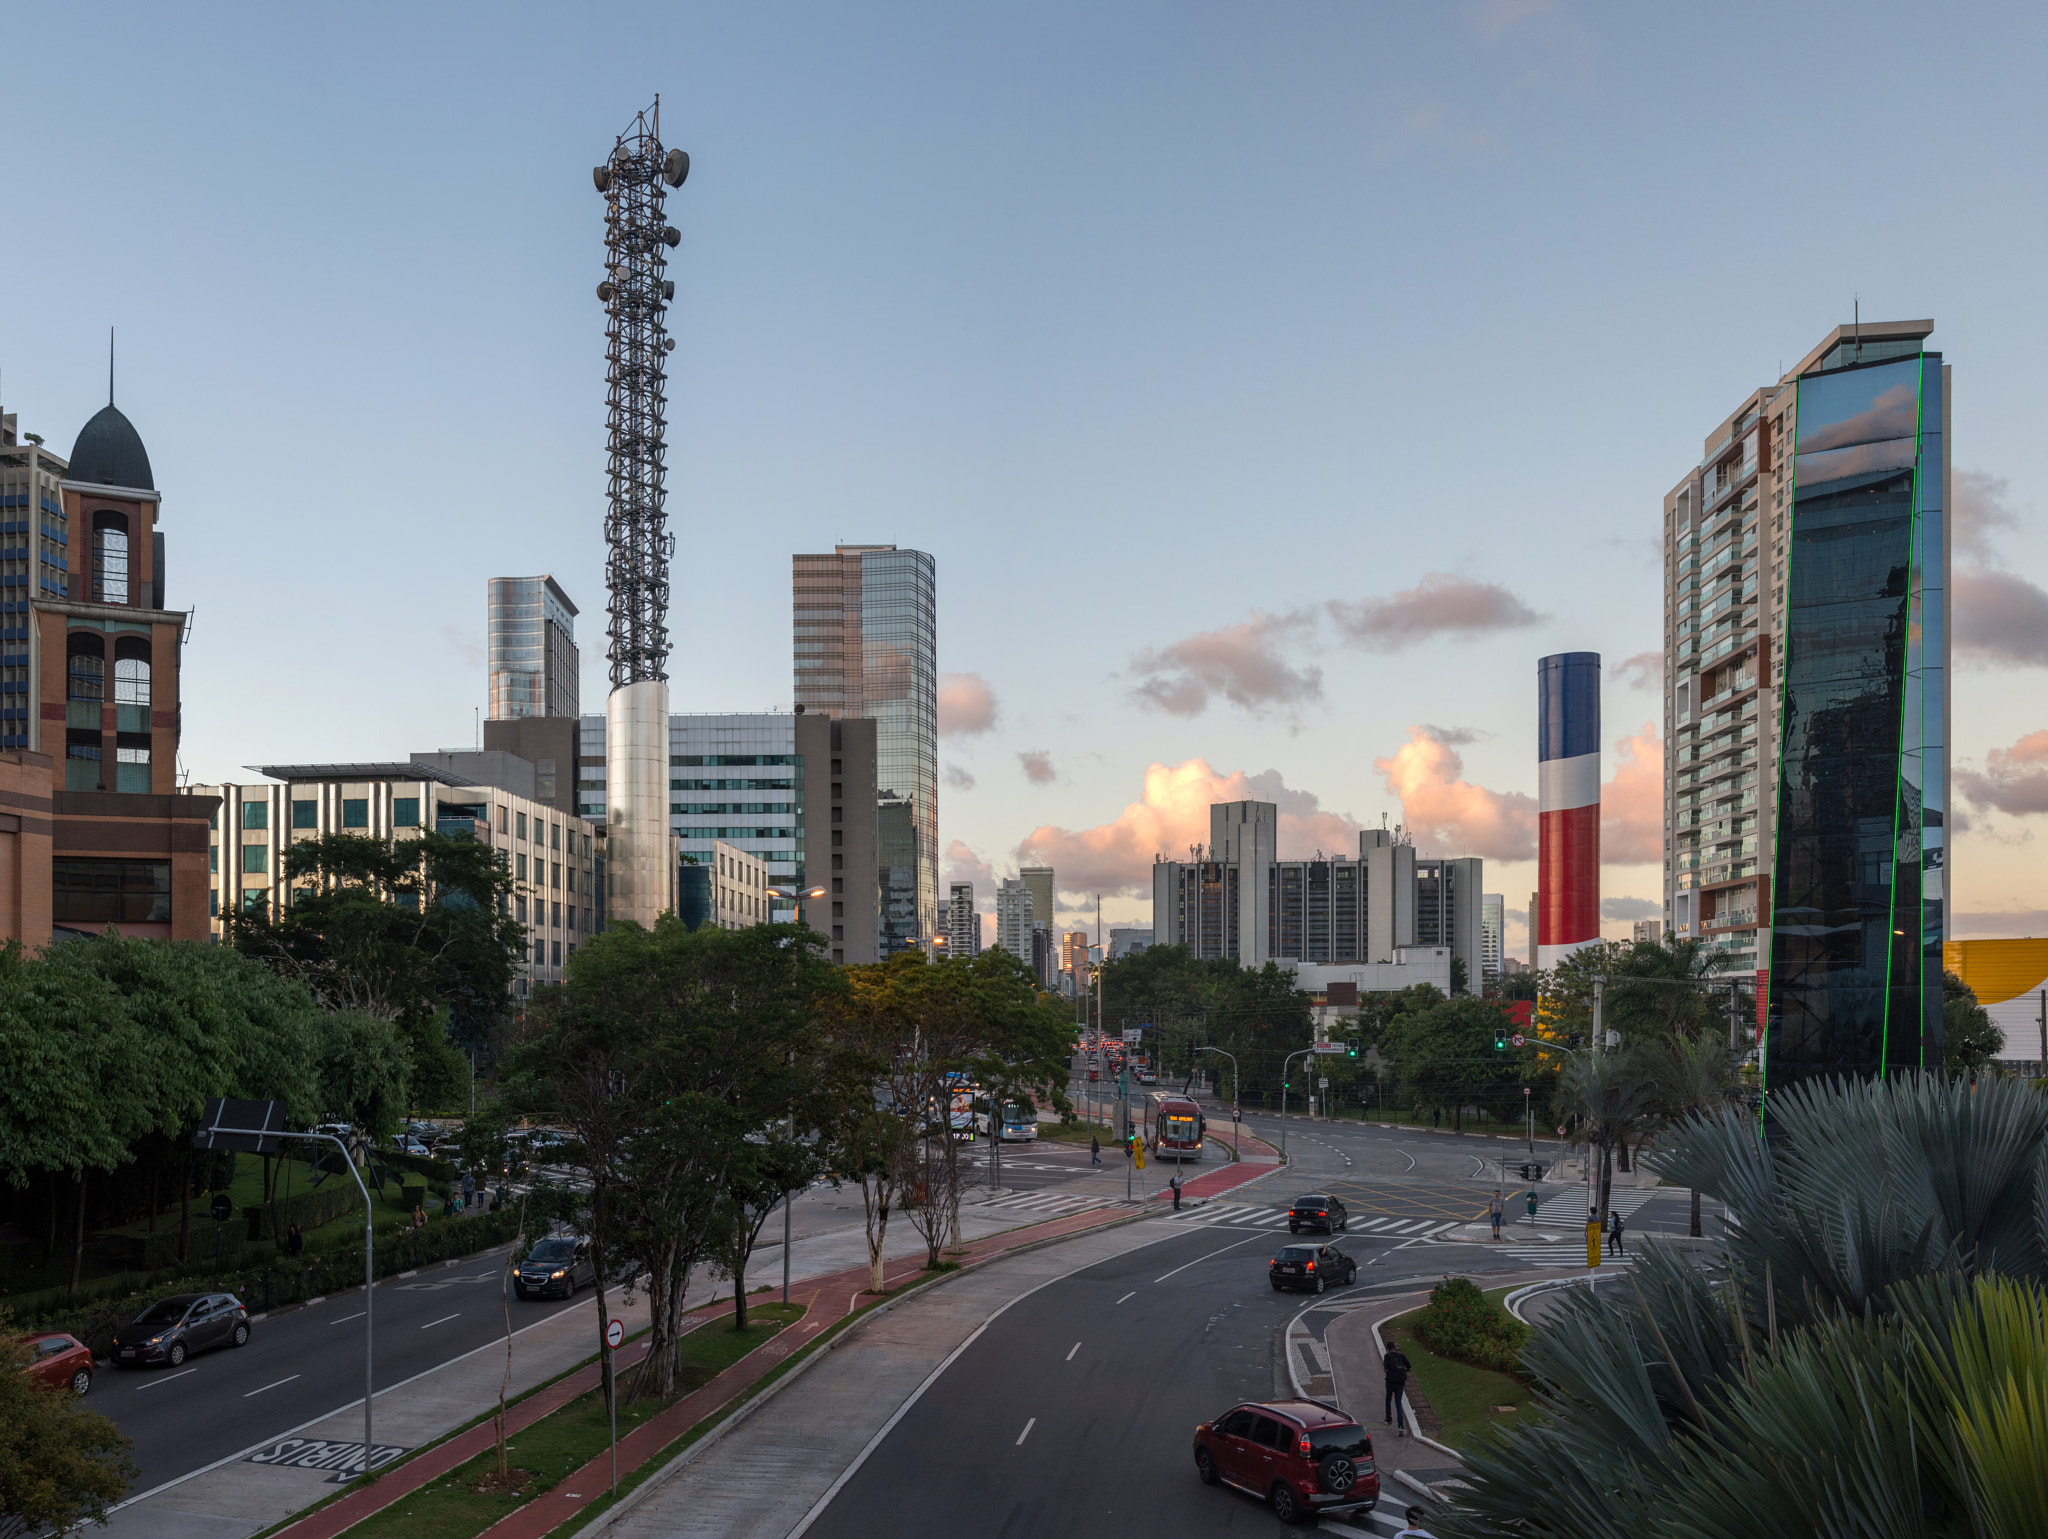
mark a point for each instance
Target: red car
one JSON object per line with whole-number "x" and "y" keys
{"x": 62, "y": 1362}
{"x": 1303, "y": 1456}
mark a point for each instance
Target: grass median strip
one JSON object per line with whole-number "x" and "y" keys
{"x": 461, "y": 1504}
{"x": 1464, "y": 1398}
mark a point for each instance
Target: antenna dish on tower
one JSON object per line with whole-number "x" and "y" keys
{"x": 675, "y": 170}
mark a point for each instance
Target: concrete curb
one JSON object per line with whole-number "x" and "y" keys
{"x": 760, "y": 1398}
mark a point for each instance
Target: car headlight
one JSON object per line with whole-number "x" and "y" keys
{"x": 557, "y": 1276}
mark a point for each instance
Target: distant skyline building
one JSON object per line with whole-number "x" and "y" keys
{"x": 1040, "y": 880}
{"x": 963, "y": 924}
{"x": 1806, "y": 785}
{"x": 1651, "y": 930}
{"x": 1014, "y": 924}
{"x": 1493, "y": 918}
{"x": 1128, "y": 942}
{"x": 1238, "y": 900}
{"x": 531, "y": 658}
{"x": 1567, "y": 916}
{"x": 865, "y": 645}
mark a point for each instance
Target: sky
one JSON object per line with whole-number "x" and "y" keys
{"x": 1272, "y": 385}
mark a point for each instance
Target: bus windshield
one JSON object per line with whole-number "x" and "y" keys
{"x": 1180, "y": 1129}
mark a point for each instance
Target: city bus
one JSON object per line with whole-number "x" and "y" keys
{"x": 1176, "y": 1126}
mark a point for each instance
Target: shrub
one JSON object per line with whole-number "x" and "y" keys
{"x": 309, "y": 1210}
{"x": 1461, "y": 1322}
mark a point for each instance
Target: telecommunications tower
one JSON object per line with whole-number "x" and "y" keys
{"x": 636, "y": 292}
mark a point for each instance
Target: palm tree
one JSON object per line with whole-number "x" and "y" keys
{"x": 1691, "y": 1077}
{"x": 1871, "y": 1360}
{"x": 1610, "y": 1094}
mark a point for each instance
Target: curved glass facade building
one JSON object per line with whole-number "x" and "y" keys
{"x": 531, "y": 655}
{"x": 1859, "y": 877}
{"x": 865, "y": 622}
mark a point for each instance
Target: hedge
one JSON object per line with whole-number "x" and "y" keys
{"x": 208, "y": 1243}
{"x": 434, "y": 1170}
{"x": 282, "y": 1280}
{"x": 309, "y": 1210}
{"x": 1461, "y": 1322}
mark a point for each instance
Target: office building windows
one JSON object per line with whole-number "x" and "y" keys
{"x": 255, "y": 859}
{"x": 355, "y": 812}
{"x": 255, "y": 814}
{"x": 305, "y": 814}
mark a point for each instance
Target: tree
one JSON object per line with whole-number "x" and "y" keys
{"x": 61, "y": 1465}
{"x": 1868, "y": 1362}
{"x": 1690, "y": 1077}
{"x": 768, "y": 1169}
{"x": 1968, "y": 1039}
{"x": 415, "y": 931}
{"x": 664, "y": 1050}
{"x": 1609, "y": 1094}
{"x": 1673, "y": 1005}
{"x": 1447, "y": 1057}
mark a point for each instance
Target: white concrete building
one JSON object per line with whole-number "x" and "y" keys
{"x": 1014, "y": 922}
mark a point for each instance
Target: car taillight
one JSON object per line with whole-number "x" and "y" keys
{"x": 1322, "y": 1213}
{"x": 1311, "y": 1266}
{"x": 1303, "y": 1446}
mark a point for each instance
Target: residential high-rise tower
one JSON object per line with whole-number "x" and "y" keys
{"x": 865, "y": 645}
{"x": 1806, "y": 701}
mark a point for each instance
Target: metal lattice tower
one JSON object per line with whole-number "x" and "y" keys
{"x": 636, "y": 292}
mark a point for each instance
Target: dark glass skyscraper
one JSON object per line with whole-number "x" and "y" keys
{"x": 1858, "y": 895}
{"x": 866, "y": 645}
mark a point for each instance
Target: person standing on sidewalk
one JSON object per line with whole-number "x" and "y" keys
{"x": 1497, "y": 1211}
{"x": 1619, "y": 1248}
{"x": 1094, "y": 1150}
{"x": 1395, "y": 1366}
{"x": 1175, "y": 1184}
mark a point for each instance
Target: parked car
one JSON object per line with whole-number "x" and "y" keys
{"x": 1313, "y": 1267}
{"x": 559, "y": 1266}
{"x": 1303, "y": 1456}
{"x": 61, "y": 1361}
{"x": 406, "y": 1145}
{"x": 172, "y": 1329}
{"x": 1318, "y": 1210}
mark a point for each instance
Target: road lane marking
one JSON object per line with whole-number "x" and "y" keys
{"x": 1025, "y": 1433}
{"x": 152, "y": 1384}
{"x": 442, "y": 1321}
{"x": 346, "y": 1318}
{"x": 1070, "y": 1355}
{"x": 255, "y": 1392}
{"x": 1211, "y": 1256}
{"x": 1131, "y": 1295}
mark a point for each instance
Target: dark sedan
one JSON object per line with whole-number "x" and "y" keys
{"x": 1318, "y": 1210}
{"x": 172, "y": 1329}
{"x": 1314, "y": 1267}
{"x": 559, "y": 1266}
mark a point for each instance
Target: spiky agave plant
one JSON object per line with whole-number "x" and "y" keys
{"x": 1870, "y": 1360}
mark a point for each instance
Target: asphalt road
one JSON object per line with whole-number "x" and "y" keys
{"x": 305, "y": 1364}
{"x": 1072, "y": 1415}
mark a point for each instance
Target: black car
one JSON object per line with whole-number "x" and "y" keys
{"x": 172, "y": 1329}
{"x": 559, "y": 1266}
{"x": 1313, "y": 1267}
{"x": 1317, "y": 1211}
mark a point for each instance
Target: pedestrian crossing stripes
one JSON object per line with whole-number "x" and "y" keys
{"x": 1044, "y": 1202}
{"x": 1567, "y": 1209}
{"x": 1567, "y": 1256}
{"x": 1239, "y": 1215}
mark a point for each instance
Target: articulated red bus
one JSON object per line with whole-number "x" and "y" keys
{"x": 1176, "y": 1126}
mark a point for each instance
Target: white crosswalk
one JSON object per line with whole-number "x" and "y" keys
{"x": 1567, "y": 1209}
{"x": 1239, "y": 1215}
{"x": 1562, "y": 1255}
{"x": 1053, "y": 1203}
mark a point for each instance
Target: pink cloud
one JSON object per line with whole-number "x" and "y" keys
{"x": 1643, "y": 671}
{"x": 1632, "y": 803}
{"x": 1440, "y": 605}
{"x": 1444, "y": 810}
{"x": 967, "y": 705}
{"x": 1038, "y": 767}
{"x": 2001, "y": 619}
{"x": 1982, "y": 504}
{"x": 2014, "y": 780}
{"x": 1243, "y": 663}
{"x": 1115, "y": 858}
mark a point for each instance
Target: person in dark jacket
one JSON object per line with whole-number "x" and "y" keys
{"x": 1094, "y": 1150}
{"x": 1619, "y": 1248}
{"x": 294, "y": 1242}
{"x": 1395, "y": 1366}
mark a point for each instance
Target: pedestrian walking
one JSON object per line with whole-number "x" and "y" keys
{"x": 1414, "y": 1530}
{"x": 1497, "y": 1211}
{"x": 1094, "y": 1150}
{"x": 1619, "y": 1248}
{"x": 1175, "y": 1184}
{"x": 1395, "y": 1366}
{"x": 468, "y": 1188}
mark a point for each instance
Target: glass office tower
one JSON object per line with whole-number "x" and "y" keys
{"x": 531, "y": 655}
{"x": 1859, "y": 876}
{"x": 865, "y": 622}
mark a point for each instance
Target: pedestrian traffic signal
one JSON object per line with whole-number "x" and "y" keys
{"x": 1351, "y": 1047}
{"x": 1500, "y": 1039}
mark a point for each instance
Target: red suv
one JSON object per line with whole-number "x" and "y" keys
{"x": 1303, "y": 1456}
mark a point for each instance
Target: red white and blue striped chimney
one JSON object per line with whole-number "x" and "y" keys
{"x": 1567, "y": 913}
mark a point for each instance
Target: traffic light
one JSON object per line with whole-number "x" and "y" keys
{"x": 1500, "y": 1039}
{"x": 1351, "y": 1047}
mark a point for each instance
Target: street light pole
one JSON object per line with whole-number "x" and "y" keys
{"x": 797, "y": 901}
{"x": 1236, "y": 1137}
{"x": 1286, "y": 1063}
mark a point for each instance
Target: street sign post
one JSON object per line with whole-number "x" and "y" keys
{"x": 1134, "y": 1034}
{"x": 615, "y": 1334}
{"x": 1331, "y": 1049}
{"x": 1518, "y": 1039}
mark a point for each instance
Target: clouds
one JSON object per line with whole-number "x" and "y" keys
{"x": 963, "y": 865}
{"x": 1440, "y": 605}
{"x": 1250, "y": 665}
{"x": 967, "y": 706}
{"x": 1632, "y": 805}
{"x": 1643, "y": 671}
{"x": 959, "y": 779}
{"x": 1115, "y": 858}
{"x": 2014, "y": 780}
{"x": 466, "y": 646}
{"x": 1441, "y": 807}
{"x": 2000, "y": 618}
{"x": 1243, "y": 663}
{"x": 1037, "y": 765}
{"x": 1630, "y": 908}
